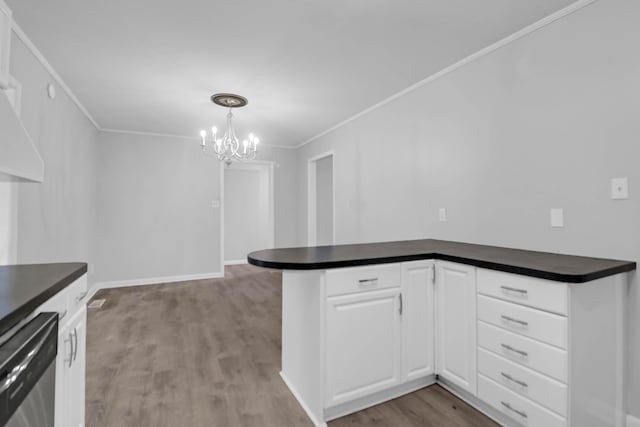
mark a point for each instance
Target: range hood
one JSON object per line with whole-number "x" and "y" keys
{"x": 19, "y": 158}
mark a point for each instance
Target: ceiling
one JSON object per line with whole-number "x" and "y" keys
{"x": 151, "y": 65}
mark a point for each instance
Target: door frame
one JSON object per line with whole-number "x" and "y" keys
{"x": 311, "y": 196}
{"x": 248, "y": 165}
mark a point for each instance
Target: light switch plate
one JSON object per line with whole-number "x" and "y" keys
{"x": 442, "y": 214}
{"x": 619, "y": 188}
{"x": 557, "y": 217}
{"x": 215, "y": 203}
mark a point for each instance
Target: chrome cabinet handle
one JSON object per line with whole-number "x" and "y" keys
{"x": 70, "y": 341}
{"x": 75, "y": 349}
{"x": 512, "y": 409}
{"x": 511, "y": 319}
{"x": 401, "y": 304}
{"x": 515, "y": 350}
{"x": 510, "y": 289}
{"x": 62, "y": 316}
{"x": 510, "y": 378}
{"x": 81, "y": 296}
{"x": 371, "y": 281}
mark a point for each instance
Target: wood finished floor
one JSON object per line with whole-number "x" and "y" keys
{"x": 207, "y": 353}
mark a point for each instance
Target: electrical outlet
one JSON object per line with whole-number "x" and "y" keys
{"x": 619, "y": 188}
{"x": 557, "y": 217}
{"x": 442, "y": 214}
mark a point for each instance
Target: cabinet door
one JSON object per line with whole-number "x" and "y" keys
{"x": 362, "y": 344}
{"x": 76, "y": 372}
{"x": 417, "y": 320}
{"x": 456, "y": 324}
{"x": 63, "y": 359}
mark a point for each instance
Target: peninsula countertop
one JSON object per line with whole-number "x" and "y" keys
{"x": 545, "y": 265}
{"x": 25, "y": 287}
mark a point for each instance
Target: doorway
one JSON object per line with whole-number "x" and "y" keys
{"x": 321, "y": 202}
{"x": 248, "y": 210}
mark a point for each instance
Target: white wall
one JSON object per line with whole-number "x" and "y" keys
{"x": 285, "y": 191}
{"x": 55, "y": 219}
{"x": 8, "y": 222}
{"x": 247, "y": 216}
{"x": 324, "y": 201}
{"x": 154, "y": 213}
{"x": 544, "y": 122}
{"x": 155, "y": 218}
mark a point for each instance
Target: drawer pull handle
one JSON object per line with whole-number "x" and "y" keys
{"x": 510, "y": 378}
{"x": 401, "y": 305}
{"x": 371, "y": 281}
{"x": 81, "y": 296}
{"x": 511, "y": 319}
{"x": 62, "y": 316}
{"x": 515, "y": 350}
{"x": 510, "y": 289}
{"x": 512, "y": 409}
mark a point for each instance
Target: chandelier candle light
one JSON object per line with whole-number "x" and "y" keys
{"x": 228, "y": 148}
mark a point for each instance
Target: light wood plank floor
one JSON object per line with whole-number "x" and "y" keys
{"x": 207, "y": 353}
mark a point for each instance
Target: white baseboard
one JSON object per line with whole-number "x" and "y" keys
{"x": 151, "y": 281}
{"x": 633, "y": 421}
{"x": 316, "y": 422}
{"x": 236, "y": 262}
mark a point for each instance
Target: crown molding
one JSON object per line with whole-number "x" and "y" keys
{"x": 169, "y": 135}
{"x": 17, "y": 30}
{"x": 573, "y": 7}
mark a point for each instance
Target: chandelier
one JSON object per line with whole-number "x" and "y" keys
{"x": 228, "y": 148}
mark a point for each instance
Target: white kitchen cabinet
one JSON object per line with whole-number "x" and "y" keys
{"x": 456, "y": 324}
{"x": 418, "y": 320}
{"x": 76, "y": 372}
{"x": 363, "y": 344}
{"x": 70, "y": 304}
{"x": 70, "y": 371}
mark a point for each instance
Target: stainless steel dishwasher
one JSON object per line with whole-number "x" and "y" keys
{"x": 27, "y": 373}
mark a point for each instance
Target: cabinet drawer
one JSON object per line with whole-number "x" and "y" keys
{"x": 77, "y": 294}
{"x": 517, "y": 407}
{"x": 357, "y": 279}
{"x": 524, "y": 351}
{"x": 541, "y": 325}
{"x": 57, "y": 303}
{"x": 543, "y": 294}
{"x": 549, "y": 393}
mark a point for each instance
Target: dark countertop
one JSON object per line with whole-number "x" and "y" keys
{"x": 23, "y": 288}
{"x": 545, "y": 265}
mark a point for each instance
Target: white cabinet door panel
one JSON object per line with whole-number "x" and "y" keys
{"x": 456, "y": 314}
{"x": 418, "y": 320}
{"x": 362, "y": 344}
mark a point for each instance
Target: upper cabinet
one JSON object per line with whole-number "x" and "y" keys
{"x": 5, "y": 43}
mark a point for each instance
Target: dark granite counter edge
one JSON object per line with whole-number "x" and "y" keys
{"x": 524, "y": 271}
{"x": 19, "y": 313}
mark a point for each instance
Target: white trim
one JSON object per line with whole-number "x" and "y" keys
{"x": 40, "y": 57}
{"x": 169, "y": 135}
{"x": 316, "y": 422}
{"x": 156, "y": 280}
{"x": 154, "y": 134}
{"x": 311, "y": 196}
{"x": 236, "y": 262}
{"x": 221, "y": 216}
{"x": 633, "y": 421}
{"x": 464, "y": 61}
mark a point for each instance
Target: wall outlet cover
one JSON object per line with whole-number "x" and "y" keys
{"x": 557, "y": 217}
{"x": 442, "y": 214}
{"x": 619, "y": 188}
